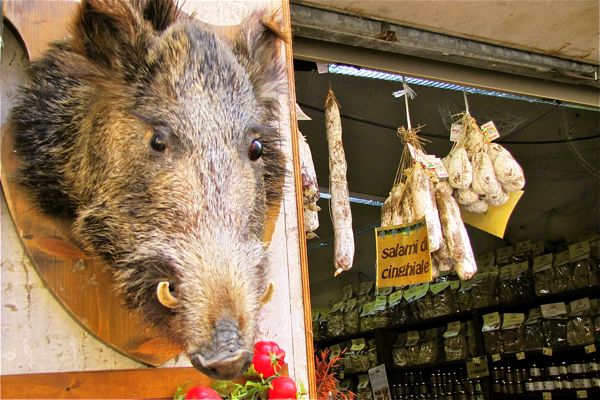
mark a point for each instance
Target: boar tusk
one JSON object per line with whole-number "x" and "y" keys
{"x": 165, "y": 296}
{"x": 268, "y": 294}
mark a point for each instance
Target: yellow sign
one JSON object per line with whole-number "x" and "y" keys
{"x": 403, "y": 256}
{"x": 495, "y": 219}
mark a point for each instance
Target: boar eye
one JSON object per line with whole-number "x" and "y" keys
{"x": 255, "y": 150}
{"x": 158, "y": 142}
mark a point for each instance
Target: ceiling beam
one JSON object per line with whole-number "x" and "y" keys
{"x": 327, "y": 36}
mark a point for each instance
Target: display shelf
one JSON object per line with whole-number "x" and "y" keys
{"x": 440, "y": 364}
{"x": 593, "y": 393}
{"x": 591, "y": 291}
{"x": 338, "y": 339}
{"x": 579, "y": 350}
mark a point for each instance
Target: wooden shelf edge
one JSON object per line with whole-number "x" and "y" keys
{"x": 124, "y": 384}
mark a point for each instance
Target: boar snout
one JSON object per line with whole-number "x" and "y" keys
{"x": 227, "y": 358}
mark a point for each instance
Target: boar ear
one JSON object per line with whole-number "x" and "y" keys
{"x": 107, "y": 32}
{"x": 258, "y": 49}
{"x": 160, "y": 13}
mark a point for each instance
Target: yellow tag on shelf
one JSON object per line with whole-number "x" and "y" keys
{"x": 496, "y": 357}
{"x": 591, "y": 348}
{"x": 547, "y": 396}
{"x": 521, "y": 355}
{"x": 547, "y": 351}
{"x": 494, "y": 220}
{"x": 582, "y": 394}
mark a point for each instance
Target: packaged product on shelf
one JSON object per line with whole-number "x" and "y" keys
{"x": 455, "y": 342}
{"x": 365, "y": 292}
{"x": 398, "y": 308}
{"x": 316, "y": 327}
{"x": 492, "y": 338}
{"x": 504, "y": 255}
{"x": 595, "y": 308}
{"x": 381, "y": 314}
{"x": 335, "y": 323}
{"x": 323, "y": 321}
{"x": 400, "y": 350}
{"x": 356, "y": 358}
{"x": 372, "y": 352}
{"x": 484, "y": 290}
{"x": 413, "y": 295}
{"x": 543, "y": 274}
{"x": 506, "y": 290}
{"x": 366, "y": 322}
{"x": 534, "y": 334}
{"x": 563, "y": 271}
{"x": 471, "y": 340}
{"x": 580, "y": 328}
{"x": 555, "y": 324}
{"x": 363, "y": 390}
{"x": 351, "y": 317}
{"x": 584, "y": 269}
{"x": 537, "y": 248}
{"x": 513, "y": 339}
{"x": 522, "y": 251}
{"x": 428, "y": 348}
{"x": 335, "y": 351}
{"x": 522, "y": 280}
{"x": 443, "y": 302}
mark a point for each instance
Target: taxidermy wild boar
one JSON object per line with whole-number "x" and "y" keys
{"x": 161, "y": 140}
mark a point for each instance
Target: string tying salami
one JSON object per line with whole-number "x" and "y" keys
{"x": 341, "y": 214}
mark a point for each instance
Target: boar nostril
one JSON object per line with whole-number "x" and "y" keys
{"x": 225, "y": 365}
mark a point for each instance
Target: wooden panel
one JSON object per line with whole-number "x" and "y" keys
{"x": 118, "y": 384}
{"x": 122, "y": 384}
{"x": 567, "y": 29}
{"x": 80, "y": 281}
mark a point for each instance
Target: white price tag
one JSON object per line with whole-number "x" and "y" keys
{"x": 490, "y": 131}
{"x": 457, "y": 131}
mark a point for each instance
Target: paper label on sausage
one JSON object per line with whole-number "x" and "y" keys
{"x": 554, "y": 310}
{"x": 491, "y": 322}
{"x": 543, "y": 263}
{"x": 490, "y": 131}
{"x": 580, "y": 307}
{"x": 457, "y": 132}
{"x": 562, "y": 258}
{"x": 512, "y": 320}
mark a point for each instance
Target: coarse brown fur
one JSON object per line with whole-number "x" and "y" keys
{"x": 192, "y": 214}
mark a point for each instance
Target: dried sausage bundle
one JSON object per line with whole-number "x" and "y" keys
{"x": 310, "y": 188}
{"x": 481, "y": 173}
{"x": 340, "y": 198}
